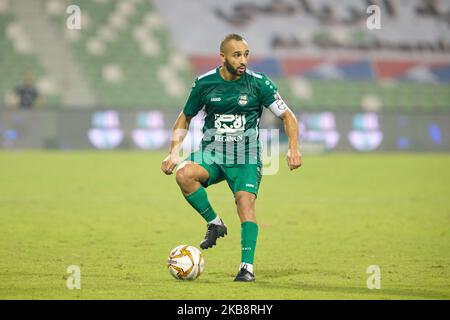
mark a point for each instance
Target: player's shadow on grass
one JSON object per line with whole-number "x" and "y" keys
{"x": 266, "y": 277}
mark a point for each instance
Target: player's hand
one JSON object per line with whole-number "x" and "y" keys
{"x": 169, "y": 163}
{"x": 294, "y": 159}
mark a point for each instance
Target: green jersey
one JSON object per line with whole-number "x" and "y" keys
{"x": 232, "y": 113}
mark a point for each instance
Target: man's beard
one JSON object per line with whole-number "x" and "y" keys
{"x": 230, "y": 69}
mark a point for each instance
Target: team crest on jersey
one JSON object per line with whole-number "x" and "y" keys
{"x": 243, "y": 100}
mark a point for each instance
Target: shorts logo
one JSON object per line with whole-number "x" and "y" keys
{"x": 250, "y": 185}
{"x": 216, "y": 99}
{"x": 243, "y": 100}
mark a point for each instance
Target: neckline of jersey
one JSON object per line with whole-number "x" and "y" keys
{"x": 227, "y": 81}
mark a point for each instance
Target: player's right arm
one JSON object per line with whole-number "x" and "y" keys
{"x": 179, "y": 131}
{"x": 193, "y": 105}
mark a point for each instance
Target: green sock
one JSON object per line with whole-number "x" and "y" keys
{"x": 199, "y": 201}
{"x": 249, "y": 234}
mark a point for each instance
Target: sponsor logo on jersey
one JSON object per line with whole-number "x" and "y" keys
{"x": 243, "y": 100}
{"x": 229, "y": 127}
{"x": 217, "y": 99}
{"x": 229, "y": 123}
{"x": 221, "y": 138}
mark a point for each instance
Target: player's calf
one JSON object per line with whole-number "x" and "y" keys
{"x": 189, "y": 176}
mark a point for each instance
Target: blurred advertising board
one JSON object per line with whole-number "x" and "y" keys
{"x": 151, "y": 130}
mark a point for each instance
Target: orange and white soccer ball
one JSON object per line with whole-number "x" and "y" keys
{"x": 185, "y": 262}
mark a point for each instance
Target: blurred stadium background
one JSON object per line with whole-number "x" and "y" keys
{"x": 119, "y": 81}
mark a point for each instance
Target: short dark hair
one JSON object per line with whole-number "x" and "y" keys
{"x": 231, "y": 36}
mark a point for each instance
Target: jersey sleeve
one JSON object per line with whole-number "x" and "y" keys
{"x": 268, "y": 92}
{"x": 194, "y": 102}
{"x": 271, "y": 99}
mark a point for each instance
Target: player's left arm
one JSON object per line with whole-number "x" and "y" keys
{"x": 273, "y": 101}
{"x": 294, "y": 156}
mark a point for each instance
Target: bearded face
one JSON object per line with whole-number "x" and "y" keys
{"x": 235, "y": 57}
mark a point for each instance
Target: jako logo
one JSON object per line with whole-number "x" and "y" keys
{"x": 215, "y": 99}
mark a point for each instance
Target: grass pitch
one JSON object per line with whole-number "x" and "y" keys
{"x": 116, "y": 216}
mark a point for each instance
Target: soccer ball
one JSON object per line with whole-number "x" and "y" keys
{"x": 185, "y": 262}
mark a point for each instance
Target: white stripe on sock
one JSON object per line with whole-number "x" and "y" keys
{"x": 216, "y": 220}
{"x": 247, "y": 266}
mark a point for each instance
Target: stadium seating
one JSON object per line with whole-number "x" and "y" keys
{"x": 126, "y": 53}
{"x": 17, "y": 57}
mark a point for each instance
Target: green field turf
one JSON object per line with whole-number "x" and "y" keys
{"x": 117, "y": 216}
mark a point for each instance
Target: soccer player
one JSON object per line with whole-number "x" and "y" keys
{"x": 233, "y": 99}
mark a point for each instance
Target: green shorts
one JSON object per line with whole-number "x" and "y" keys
{"x": 240, "y": 177}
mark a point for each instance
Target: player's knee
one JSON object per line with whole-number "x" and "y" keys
{"x": 245, "y": 200}
{"x": 181, "y": 176}
{"x": 185, "y": 174}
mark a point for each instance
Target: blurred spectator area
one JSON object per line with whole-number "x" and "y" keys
{"x": 125, "y": 51}
{"x": 122, "y": 50}
{"x": 145, "y": 53}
